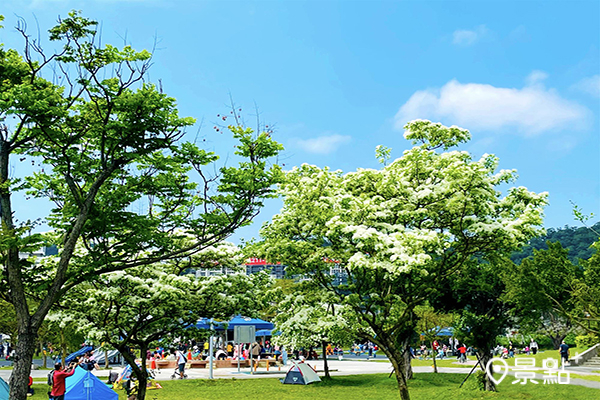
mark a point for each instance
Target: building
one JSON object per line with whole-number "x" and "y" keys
{"x": 254, "y": 265}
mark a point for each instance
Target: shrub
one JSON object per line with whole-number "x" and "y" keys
{"x": 587, "y": 341}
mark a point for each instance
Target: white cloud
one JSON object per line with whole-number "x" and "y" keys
{"x": 519, "y": 34}
{"x": 590, "y": 85}
{"x": 465, "y": 37}
{"x": 531, "y": 110}
{"x": 322, "y": 144}
{"x": 536, "y": 77}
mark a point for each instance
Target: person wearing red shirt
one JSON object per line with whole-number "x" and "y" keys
{"x": 463, "y": 353}
{"x": 30, "y": 390}
{"x": 58, "y": 381}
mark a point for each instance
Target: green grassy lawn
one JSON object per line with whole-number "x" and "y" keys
{"x": 595, "y": 378}
{"x": 540, "y": 356}
{"x": 447, "y": 362}
{"x": 368, "y": 387}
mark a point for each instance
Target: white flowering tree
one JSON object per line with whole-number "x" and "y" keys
{"x": 399, "y": 230}
{"x": 132, "y": 310}
{"x": 309, "y": 318}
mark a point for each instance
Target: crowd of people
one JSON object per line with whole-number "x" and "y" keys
{"x": 453, "y": 348}
{"x": 442, "y": 350}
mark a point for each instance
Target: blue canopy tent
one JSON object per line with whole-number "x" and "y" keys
{"x": 83, "y": 385}
{"x": 446, "y": 332}
{"x": 264, "y": 332}
{"x": 3, "y": 390}
{"x": 204, "y": 323}
{"x": 244, "y": 321}
{"x": 238, "y": 320}
{"x": 442, "y": 332}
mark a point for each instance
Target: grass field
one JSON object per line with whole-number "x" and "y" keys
{"x": 539, "y": 357}
{"x": 594, "y": 378}
{"x": 364, "y": 387}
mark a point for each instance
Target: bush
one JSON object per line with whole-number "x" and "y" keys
{"x": 570, "y": 339}
{"x": 475, "y": 381}
{"x": 544, "y": 342}
{"x": 586, "y": 341}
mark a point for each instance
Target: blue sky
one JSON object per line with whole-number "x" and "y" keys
{"x": 339, "y": 78}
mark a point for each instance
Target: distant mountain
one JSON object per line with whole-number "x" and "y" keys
{"x": 577, "y": 240}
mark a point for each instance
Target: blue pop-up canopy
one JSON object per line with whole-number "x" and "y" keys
{"x": 83, "y": 385}
{"x": 244, "y": 321}
{"x": 442, "y": 332}
{"x": 238, "y": 320}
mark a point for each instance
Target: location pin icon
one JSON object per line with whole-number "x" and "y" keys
{"x": 489, "y": 370}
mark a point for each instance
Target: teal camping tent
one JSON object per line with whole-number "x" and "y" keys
{"x": 300, "y": 374}
{"x": 83, "y": 385}
{"x": 3, "y": 390}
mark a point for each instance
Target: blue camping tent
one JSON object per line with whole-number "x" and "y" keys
{"x": 83, "y": 385}
{"x": 78, "y": 353}
{"x": 76, "y": 377}
{"x": 3, "y": 390}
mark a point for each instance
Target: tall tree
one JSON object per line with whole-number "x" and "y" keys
{"x": 308, "y": 318}
{"x": 429, "y": 325}
{"x": 399, "y": 231}
{"x": 104, "y": 142}
{"x": 586, "y": 294}
{"x": 541, "y": 290}
{"x": 476, "y": 294}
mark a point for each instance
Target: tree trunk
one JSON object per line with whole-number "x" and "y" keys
{"x": 106, "y": 363}
{"x": 24, "y": 350}
{"x": 141, "y": 373}
{"x": 484, "y": 356}
{"x": 408, "y": 372}
{"x": 400, "y": 368}
{"x": 398, "y": 360}
{"x": 63, "y": 347}
{"x": 325, "y": 365}
{"x": 557, "y": 340}
{"x": 435, "y": 370}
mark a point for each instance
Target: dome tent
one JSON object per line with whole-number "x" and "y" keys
{"x": 300, "y": 374}
{"x": 83, "y": 385}
{"x": 3, "y": 390}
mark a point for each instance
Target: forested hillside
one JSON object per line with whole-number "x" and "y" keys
{"x": 577, "y": 240}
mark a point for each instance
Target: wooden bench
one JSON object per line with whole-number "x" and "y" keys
{"x": 166, "y": 364}
{"x": 198, "y": 364}
{"x": 243, "y": 363}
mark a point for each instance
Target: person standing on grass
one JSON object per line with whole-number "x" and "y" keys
{"x": 58, "y": 381}
{"x": 534, "y": 347}
{"x": 463, "y": 353}
{"x": 564, "y": 353}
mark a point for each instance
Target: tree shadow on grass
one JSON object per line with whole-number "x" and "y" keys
{"x": 355, "y": 380}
